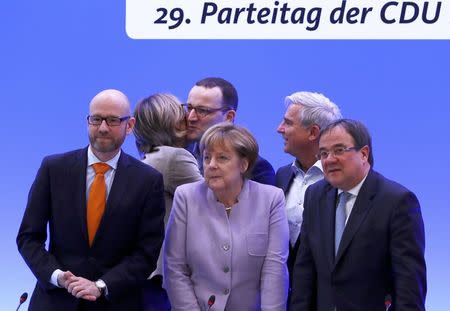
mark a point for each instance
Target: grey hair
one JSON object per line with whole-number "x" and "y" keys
{"x": 317, "y": 108}
{"x": 157, "y": 122}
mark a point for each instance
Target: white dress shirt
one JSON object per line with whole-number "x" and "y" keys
{"x": 90, "y": 175}
{"x": 296, "y": 194}
{"x": 352, "y": 198}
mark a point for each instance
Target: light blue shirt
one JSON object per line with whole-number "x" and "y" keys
{"x": 296, "y": 195}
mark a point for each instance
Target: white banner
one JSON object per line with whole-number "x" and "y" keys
{"x": 292, "y": 19}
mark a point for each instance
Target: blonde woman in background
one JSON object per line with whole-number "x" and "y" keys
{"x": 160, "y": 132}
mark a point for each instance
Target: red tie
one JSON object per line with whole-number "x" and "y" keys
{"x": 97, "y": 199}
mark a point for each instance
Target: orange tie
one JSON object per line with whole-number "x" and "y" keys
{"x": 97, "y": 199}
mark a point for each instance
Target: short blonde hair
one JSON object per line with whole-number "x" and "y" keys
{"x": 239, "y": 138}
{"x": 157, "y": 121}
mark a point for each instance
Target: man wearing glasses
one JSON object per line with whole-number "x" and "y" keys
{"x": 211, "y": 101}
{"x": 362, "y": 239}
{"x": 105, "y": 214}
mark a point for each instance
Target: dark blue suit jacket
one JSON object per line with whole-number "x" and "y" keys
{"x": 381, "y": 251}
{"x": 283, "y": 179}
{"x": 263, "y": 172}
{"x": 127, "y": 243}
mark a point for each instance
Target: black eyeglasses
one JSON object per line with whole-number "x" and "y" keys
{"x": 202, "y": 111}
{"x": 111, "y": 121}
{"x": 335, "y": 152}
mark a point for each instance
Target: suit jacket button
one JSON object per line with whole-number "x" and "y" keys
{"x": 226, "y": 269}
{"x": 226, "y": 291}
{"x": 226, "y": 247}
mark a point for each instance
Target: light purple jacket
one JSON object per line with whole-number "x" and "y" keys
{"x": 240, "y": 259}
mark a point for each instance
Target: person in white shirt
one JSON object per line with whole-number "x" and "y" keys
{"x": 306, "y": 114}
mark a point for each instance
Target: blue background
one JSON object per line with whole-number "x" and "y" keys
{"x": 56, "y": 55}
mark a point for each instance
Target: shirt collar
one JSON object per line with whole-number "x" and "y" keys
{"x": 92, "y": 159}
{"x": 297, "y": 170}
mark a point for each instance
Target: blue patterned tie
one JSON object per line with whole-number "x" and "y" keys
{"x": 341, "y": 215}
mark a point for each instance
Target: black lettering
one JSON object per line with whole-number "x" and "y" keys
{"x": 206, "y": 12}
{"x": 238, "y": 12}
{"x": 224, "y": 16}
{"x": 284, "y": 9}
{"x": 161, "y": 20}
{"x": 383, "y": 12}
{"x": 251, "y": 8}
{"x": 352, "y": 12}
{"x": 403, "y": 18}
{"x": 275, "y": 12}
{"x": 436, "y": 15}
{"x": 364, "y": 13}
{"x": 264, "y": 12}
{"x": 298, "y": 15}
{"x": 314, "y": 18}
{"x": 339, "y": 11}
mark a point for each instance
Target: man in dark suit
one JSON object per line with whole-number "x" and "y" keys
{"x": 362, "y": 238}
{"x": 305, "y": 115}
{"x": 105, "y": 214}
{"x": 211, "y": 101}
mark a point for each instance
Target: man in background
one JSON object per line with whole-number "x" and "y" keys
{"x": 211, "y": 101}
{"x": 305, "y": 115}
{"x": 362, "y": 239}
{"x": 105, "y": 214}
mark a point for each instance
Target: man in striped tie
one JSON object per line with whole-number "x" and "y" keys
{"x": 362, "y": 239}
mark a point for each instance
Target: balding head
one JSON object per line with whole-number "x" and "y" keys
{"x": 113, "y": 107}
{"x": 113, "y": 97}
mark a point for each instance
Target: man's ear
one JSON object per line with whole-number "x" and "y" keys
{"x": 230, "y": 115}
{"x": 314, "y": 131}
{"x": 365, "y": 152}
{"x": 130, "y": 124}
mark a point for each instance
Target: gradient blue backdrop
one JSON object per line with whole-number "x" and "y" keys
{"x": 56, "y": 55}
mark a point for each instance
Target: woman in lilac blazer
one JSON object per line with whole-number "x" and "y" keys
{"x": 227, "y": 238}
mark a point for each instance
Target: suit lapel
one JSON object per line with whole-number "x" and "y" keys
{"x": 328, "y": 201}
{"x": 79, "y": 168}
{"x": 286, "y": 180}
{"x": 362, "y": 206}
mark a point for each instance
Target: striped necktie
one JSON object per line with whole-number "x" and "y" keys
{"x": 341, "y": 216}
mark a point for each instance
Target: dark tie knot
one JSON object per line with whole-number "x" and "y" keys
{"x": 100, "y": 168}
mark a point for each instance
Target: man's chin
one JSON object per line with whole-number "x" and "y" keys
{"x": 287, "y": 150}
{"x": 104, "y": 148}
